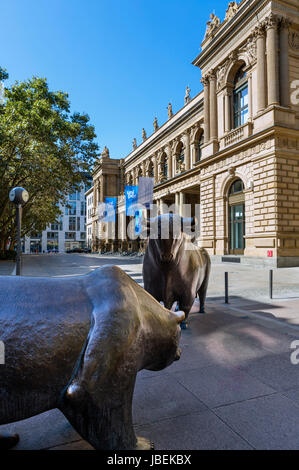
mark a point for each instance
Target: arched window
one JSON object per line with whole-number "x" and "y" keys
{"x": 236, "y": 213}
{"x": 164, "y": 167}
{"x": 181, "y": 155}
{"x": 237, "y": 187}
{"x": 240, "y": 95}
{"x": 151, "y": 170}
{"x": 199, "y": 147}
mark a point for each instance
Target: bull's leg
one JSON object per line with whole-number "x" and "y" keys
{"x": 7, "y": 441}
{"x": 202, "y": 292}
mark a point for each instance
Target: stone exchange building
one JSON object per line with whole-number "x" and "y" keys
{"x": 233, "y": 148}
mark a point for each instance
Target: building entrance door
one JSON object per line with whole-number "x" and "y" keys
{"x": 237, "y": 229}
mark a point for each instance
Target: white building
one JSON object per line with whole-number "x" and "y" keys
{"x": 89, "y": 215}
{"x": 66, "y": 233}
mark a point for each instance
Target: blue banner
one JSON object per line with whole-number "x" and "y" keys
{"x": 138, "y": 222}
{"x": 110, "y": 209}
{"x": 131, "y": 195}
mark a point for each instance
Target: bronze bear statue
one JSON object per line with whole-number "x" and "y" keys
{"x": 76, "y": 344}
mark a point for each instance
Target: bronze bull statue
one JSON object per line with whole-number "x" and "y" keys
{"x": 174, "y": 269}
{"x": 76, "y": 344}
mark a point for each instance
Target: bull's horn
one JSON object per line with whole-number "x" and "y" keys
{"x": 162, "y": 303}
{"x": 174, "y": 306}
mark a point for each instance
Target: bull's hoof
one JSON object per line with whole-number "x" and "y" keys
{"x": 144, "y": 444}
{"x": 7, "y": 441}
{"x": 202, "y": 310}
{"x": 184, "y": 325}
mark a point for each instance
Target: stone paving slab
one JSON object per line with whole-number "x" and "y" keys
{"x": 160, "y": 397}
{"x": 197, "y": 431}
{"x": 270, "y": 422}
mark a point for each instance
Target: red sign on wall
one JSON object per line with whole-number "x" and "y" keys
{"x": 270, "y": 253}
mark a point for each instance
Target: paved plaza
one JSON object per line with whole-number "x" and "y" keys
{"x": 234, "y": 386}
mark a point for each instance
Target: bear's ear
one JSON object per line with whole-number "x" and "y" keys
{"x": 179, "y": 316}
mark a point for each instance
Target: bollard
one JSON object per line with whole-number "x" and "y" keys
{"x": 226, "y": 286}
{"x": 271, "y": 283}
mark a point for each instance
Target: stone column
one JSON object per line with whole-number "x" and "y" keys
{"x": 227, "y": 107}
{"x": 187, "y": 150}
{"x": 102, "y": 182}
{"x": 177, "y": 200}
{"x": 261, "y": 68}
{"x": 206, "y": 110}
{"x": 169, "y": 161}
{"x": 284, "y": 63}
{"x": 272, "y": 61}
{"x": 213, "y": 108}
{"x": 182, "y": 202}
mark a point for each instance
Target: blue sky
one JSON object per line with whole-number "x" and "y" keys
{"x": 121, "y": 61}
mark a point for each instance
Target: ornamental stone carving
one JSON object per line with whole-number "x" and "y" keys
{"x": 250, "y": 50}
{"x": 231, "y": 10}
{"x": 294, "y": 40}
{"x": 271, "y": 21}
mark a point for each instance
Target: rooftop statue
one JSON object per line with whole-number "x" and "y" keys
{"x": 134, "y": 144}
{"x": 212, "y": 24}
{"x": 155, "y": 124}
{"x": 170, "y": 113}
{"x": 144, "y": 137}
{"x": 187, "y": 95}
{"x": 80, "y": 350}
{"x": 231, "y": 10}
{"x": 105, "y": 152}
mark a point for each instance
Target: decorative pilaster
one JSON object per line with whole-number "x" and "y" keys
{"x": 261, "y": 68}
{"x": 187, "y": 150}
{"x": 272, "y": 60}
{"x": 169, "y": 160}
{"x": 227, "y": 107}
{"x": 205, "y": 82}
{"x": 213, "y": 108}
{"x": 284, "y": 62}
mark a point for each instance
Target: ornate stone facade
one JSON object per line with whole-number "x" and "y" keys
{"x": 198, "y": 154}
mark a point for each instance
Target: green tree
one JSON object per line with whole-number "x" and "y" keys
{"x": 44, "y": 148}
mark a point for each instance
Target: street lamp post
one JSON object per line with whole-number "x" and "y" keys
{"x": 19, "y": 196}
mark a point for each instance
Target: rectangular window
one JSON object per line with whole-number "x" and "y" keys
{"x": 82, "y": 235}
{"x": 72, "y": 223}
{"x": 83, "y": 208}
{"x": 241, "y": 106}
{"x": 78, "y": 224}
{"x": 70, "y": 208}
{"x": 52, "y": 235}
{"x": 70, "y": 235}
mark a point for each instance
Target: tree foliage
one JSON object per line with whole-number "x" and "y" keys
{"x": 44, "y": 148}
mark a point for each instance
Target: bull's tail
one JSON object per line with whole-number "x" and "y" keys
{"x": 202, "y": 291}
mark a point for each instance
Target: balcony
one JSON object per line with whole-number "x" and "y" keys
{"x": 236, "y": 135}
